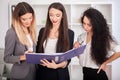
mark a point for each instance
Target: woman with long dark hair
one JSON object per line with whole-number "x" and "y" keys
{"x": 99, "y": 43}
{"x": 55, "y": 37}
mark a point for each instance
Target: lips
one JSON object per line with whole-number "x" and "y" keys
{"x": 54, "y": 21}
{"x": 27, "y": 24}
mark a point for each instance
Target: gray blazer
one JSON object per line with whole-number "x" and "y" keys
{"x": 13, "y": 50}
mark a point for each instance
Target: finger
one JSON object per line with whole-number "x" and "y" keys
{"x": 42, "y": 61}
{"x": 53, "y": 61}
{"x": 43, "y": 64}
{"x": 45, "y": 60}
{"x": 98, "y": 70}
{"x": 30, "y": 51}
{"x": 26, "y": 52}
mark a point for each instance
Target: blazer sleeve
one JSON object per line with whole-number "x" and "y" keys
{"x": 71, "y": 40}
{"x": 10, "y": 43}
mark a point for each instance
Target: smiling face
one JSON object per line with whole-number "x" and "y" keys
{"x": 26, "y": 19}
{"x": 87, "y": 25}
{"x": 55, "y": 16}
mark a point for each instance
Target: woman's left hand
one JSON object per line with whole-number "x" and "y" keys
{"x": 49, "y": 64}
{"x": 102, "y": 67}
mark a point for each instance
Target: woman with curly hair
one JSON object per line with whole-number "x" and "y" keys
{"x": 99, "y": 43}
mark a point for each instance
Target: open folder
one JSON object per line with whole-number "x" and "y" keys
{"x": 35, "y": 58}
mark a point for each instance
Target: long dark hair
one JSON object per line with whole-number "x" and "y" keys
{"x": 63, "y": 38}
{"x": 101, "y": 37}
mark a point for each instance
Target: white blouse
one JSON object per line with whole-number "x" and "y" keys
{"x": 31, "y": 42}
{"x": 85, "y": 58}
{"x": 50, "y": 47}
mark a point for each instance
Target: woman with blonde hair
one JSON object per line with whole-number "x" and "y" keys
{"x": 20, "y": 39}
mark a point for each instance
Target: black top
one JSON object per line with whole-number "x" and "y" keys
{"x": 44, "y": 73}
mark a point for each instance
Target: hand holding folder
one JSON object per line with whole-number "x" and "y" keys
{"x": 57, "y": 57}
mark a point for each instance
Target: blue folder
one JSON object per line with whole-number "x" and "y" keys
{"x": 35, "y": 58}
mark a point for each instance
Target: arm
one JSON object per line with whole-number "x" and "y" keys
{"x": 112, "y": 58}
{"x": 116, "y": 49}
{"x": 10, "y": 41}
{"x": 14, "y": 50}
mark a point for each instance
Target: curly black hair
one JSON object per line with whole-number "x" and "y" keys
{"x": 101, "y": 37}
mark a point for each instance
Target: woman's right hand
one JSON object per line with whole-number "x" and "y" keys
{"x": 23, "y": 57}
{"x": 76, "y": 44}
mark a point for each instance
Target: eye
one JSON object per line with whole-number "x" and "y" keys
{"x": 83, "y": 23}
{"x": 23, "y": 19}
{"x": 89, "y": 25}
{"x": 31, "y": 18}
{"x": 58, "y": 15}
{"x": 51, "y": 15}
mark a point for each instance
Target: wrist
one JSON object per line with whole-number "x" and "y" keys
{"x": 105, "y": 63}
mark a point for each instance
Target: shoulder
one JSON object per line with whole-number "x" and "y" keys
{"x": 71, "y": 32}
{"x": 41, "y": 30}
{"x": 40, "y": 33}
{"x": 10, "y": 35}
{"x": 11, "y": 32}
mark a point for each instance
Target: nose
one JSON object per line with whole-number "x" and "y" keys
{"x": 28, "y": 21}
{"x": 85, "y": 26}
{"x": 54, "y": 18}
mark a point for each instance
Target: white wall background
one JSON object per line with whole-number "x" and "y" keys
{"x": 4, "y": 21}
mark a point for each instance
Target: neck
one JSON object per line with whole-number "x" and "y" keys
{"x": 89, "y": 37}
{"x": 89, "y": 34}
{"x": 55, "y": 27}
{"x": 54, "y": 32}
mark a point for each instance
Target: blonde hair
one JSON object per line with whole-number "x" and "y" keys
{"x": 21, "y": 9}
